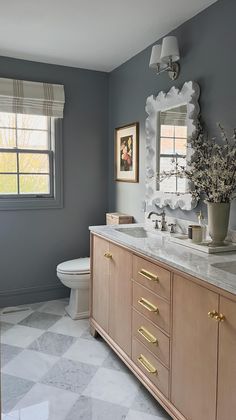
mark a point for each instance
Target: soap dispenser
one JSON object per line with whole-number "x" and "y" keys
{"x": 202, "y": 223}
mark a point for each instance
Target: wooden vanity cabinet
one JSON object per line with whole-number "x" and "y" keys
{"x": 175, "y": 332}
{"x": 111, "y": 291}
{"x": 99, "y": 303}
{"x": 226, "y": 407}
{"x": 194, "y": 350}
{"x": 120, "y": 297}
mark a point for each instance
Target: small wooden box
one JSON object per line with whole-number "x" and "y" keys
{"x": 118, "y": 218}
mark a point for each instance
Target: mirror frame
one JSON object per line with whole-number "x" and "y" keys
{"x": 188, "y": 95}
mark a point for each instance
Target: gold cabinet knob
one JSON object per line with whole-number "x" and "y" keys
{"x": 219, "y": 317}
{"x": 216, "y": 316}
{"x": 108, "y": 255}
{"x": 212, "y": 314}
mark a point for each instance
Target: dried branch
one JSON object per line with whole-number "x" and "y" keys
{"x": 212, "y": 166}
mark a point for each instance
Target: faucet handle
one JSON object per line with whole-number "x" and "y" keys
{"x": 156, "y": 224}
{"x": 172, "y": 227}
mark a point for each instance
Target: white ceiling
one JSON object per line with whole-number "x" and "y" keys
{"x": 92, "y": 34}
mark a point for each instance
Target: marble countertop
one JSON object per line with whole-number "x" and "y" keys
{"x": 160, "y": 248}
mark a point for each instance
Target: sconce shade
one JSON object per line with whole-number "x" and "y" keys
{"x": 155, "y": 56}
{"x": 170, "y": 49}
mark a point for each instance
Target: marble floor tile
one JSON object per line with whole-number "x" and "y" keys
{"x": 56, "y": 307}
{"x": 15, "y": 317}
{"x": 68, "y": 326}
{"x": 30, "y": 365}
{"x": 146, "y": 403}
{"x": 52, "y": 343}
{"x": 13, "y": 389}
{"x": 20, "y": 336}
{"x": 8, "y": 353}
{"x": 138, "y": 415}
{"x": 40, "y": 320}
{"x": 64, "y": 373}
{"x": 11, "y": 416}
{"x": 90, "y": 409}
{"x": 114, "y": 362}
{"x": 113, "y": 386}
{"x": 32, "y": 306}
{"x": 83, "y": 351}
{"x": 35, "y": 306}
{"x": 44, "y": 402}
{"x": 87, "y": 335}
{"x": 70, "y": 375}
{"x": 4, "y": 326}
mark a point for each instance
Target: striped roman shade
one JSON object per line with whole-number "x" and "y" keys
{"x": 23, "y": 97}
{"x": 174, "y": 116}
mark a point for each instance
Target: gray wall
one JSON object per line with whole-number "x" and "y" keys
{"x": 207, "y": 44}
{"x": 33, "y": 242}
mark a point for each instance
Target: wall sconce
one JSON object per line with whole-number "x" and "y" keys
{"x": 164, "y": 57}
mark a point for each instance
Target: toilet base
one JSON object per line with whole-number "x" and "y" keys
{"x": 78, "y": 307}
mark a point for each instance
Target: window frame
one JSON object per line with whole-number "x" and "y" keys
{"x": 173, "y": 155}
{"x": 42, "y": 201}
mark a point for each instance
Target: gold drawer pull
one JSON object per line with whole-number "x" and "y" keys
{"x": 148, "y": 305}
{"x": 108, "y": 255}
{"x": 148, "y": 275}
{"x": 147, "y": 335}
{"x": 146, "y": 364}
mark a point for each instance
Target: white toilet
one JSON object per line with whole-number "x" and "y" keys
{"x": 75, "y": 274}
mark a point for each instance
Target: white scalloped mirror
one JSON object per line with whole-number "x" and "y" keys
{"x": 171, "y": 122}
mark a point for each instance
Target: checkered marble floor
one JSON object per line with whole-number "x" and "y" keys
{"x": 52, "y": 369}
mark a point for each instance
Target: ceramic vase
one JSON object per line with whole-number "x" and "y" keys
{"x": 218, "y": 222}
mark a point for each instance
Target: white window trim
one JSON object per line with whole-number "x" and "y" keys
{"x": 45, "y": 202}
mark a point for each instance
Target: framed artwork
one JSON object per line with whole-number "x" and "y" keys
{"x": 127, "y": 153}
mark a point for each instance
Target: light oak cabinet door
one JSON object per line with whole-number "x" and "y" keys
{"x": 227, "y": 362}
{"x": 194, "y": 350}
{"x": 100, "y": 288}
{"x": 120, "y": 300}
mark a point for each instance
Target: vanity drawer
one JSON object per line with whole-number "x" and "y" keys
{"x": 151, "y": 367}
{"x": 152, "y": 276}
{"x": 157, "y": 342}
{"x": 152, "y": 306}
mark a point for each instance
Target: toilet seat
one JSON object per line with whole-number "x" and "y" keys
{"x": 75, "y": 267}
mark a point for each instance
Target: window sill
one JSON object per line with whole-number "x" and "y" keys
{"x": 31, "y": 203}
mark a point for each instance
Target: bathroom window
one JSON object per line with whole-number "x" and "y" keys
{"x": 172, "y": 153}
{"x": 172, "y": 149}
{"x": 30, "y": 161}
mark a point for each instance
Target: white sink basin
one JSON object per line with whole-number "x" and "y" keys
{"x": 229, "y": 267}
{"x": 136, "y": 232}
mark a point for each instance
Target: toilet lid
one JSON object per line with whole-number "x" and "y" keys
{"x": 79, "y": 265}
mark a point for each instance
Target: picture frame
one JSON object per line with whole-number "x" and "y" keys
{"x": 127, "y": 153}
